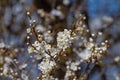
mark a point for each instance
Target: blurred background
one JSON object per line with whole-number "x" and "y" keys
{"x": 102, "y": 15}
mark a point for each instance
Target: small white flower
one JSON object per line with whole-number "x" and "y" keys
{"x": 48, "y": 37}
{"x": 30, "y": 49}
{"x": 86, "y": 54}
{"x": 54, "y": 51}
{"x": 28, "y": 30}
{"x": 47, "y": 47}
{"x": 74, "y": 66}
{"x": 89, "y": 45}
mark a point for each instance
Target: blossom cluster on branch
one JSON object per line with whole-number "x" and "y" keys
{"x": 66, "y": 50}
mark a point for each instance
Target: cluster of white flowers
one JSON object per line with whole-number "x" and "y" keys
{"x": 46, "y": 66}
{"x": 44, "y": 49}
{"x": 64, "y": 39}
{"x": 72, "y": 67}
{"x": 93, "y": 51}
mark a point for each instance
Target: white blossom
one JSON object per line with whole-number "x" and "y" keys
{"x": 28, "y": 30}
{"x": 85, "y": 54}
{"x": 54, "y": 51}
{"x": 30, "y": 49}
{"x": 48, "y": 37}
{"x": 74, "y": 66}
